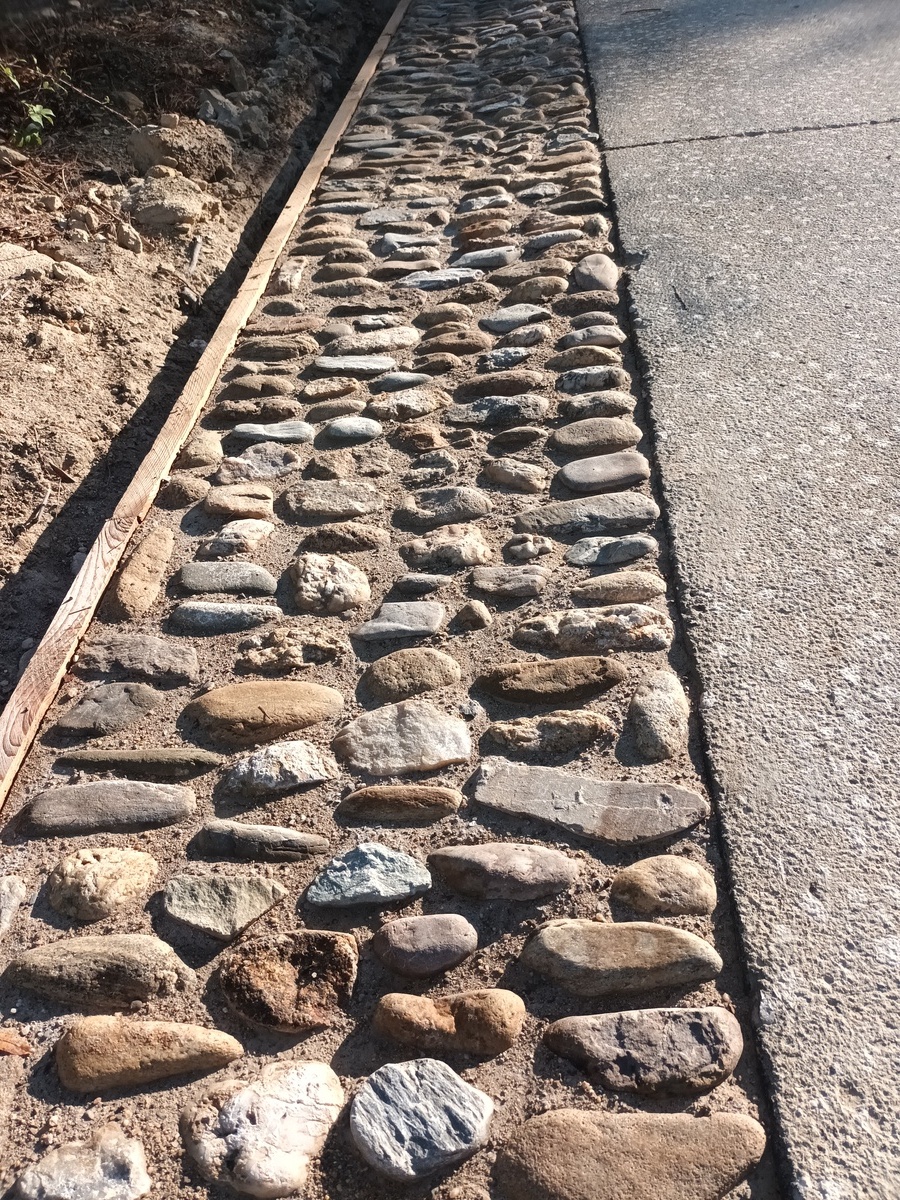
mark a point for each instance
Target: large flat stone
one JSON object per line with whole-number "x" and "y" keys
{"x": 398, "y": 739}
{"x": 608, "y": 515}
{"x": 158, "y": 659}
{"x": 246, "y": 714}
{"x": 108, "y": 806}
{"x": 260, "y": 843}
{"x": 621, "y": 813}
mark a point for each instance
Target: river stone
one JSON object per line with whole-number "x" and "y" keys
{"x": 332, "y": 500}
{"x": 164, "y": 762}
{"x": 595, "y": 958}
{"x": 448, "y": 546}
{"x": 418, "y": 584}
{"x": 623, "y": 813}
{"x": 400, "y": 803}
{"x": 617, "y": 513}
{"x": 610, "y": 551}
{"x": 411, "y": 1119}
{"x": 418, "y": 947}
{"x": 610, "y": 403}
{"x": 136, "y": 587}
{"x": 495, "y": 412}
{"x": 277, "y": 431}
{"x": 596, "y": 273}
{"x": 402, "y": 738}
{"x": 504, "y": 357}
{"x": 596, "y": 436}
{"x": 516, "y": 582}
{"x": 504, "y": 870}
{"x": 357, "y": 366}
{"x": 109, "y": 708}
{"x": 505, "y": 320}
{"x": 155, "y": 658}
{"x": 290, "y": 982}
{"x": 288, "y": 648}
{"x": 375, "y": 341}
{"x": 325, "y": 583}
{"x": 484, "y": 1022}
{"x": 350, "y": 538}
{"x": 408, "y": 673}
{"x": 605, "y": 473}
{"x": 593, "y": 335}
{"x": 368, "y": 874}
{"x": 281, "y": 767}
{"x": 260, "y": 1138}
{"x": 91, "y": 884}
{"x": 246, "y": 714}
{"x": 258, "y": 843}
{"x": 240, "y": 501}
{"x": 180, "y": 491}
{"x": 554, "y": 733}
{"x": 622, "y": 587}
{"x": 399, "y": 381}
{"x": 263, "y": 460}
{"x": 593, "y": 379}
{"x": 659, "y": 716}
{"x": 102, "y": 1052}
{"x": 107, "y": 806}
{"x": 553, "y": 679}
{"x": 329, "y": 410}
{"x": 227, "y": 577}
{"x": 445, "y": 506}
{"x": 434, "y": 281}
{"x": 237, "y": 537}
{"x": 407, "y": 405}
{"x": 665, "y": 886}
{"x": 626, "y": 627}
{"x": 206, "y": 617}
{"x": 487, "y": 260}
{"x": 102, "y": 973}
{"x": 570, "y": 1154}
{"x": 403, "y": 619}
{"x": 515, "y": 474}
{"x": 110, "y": 1166}
{"x": 220, "y": 905}
{"x": 657, "y": 1050}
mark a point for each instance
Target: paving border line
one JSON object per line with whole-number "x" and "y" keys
{"x": 42, "y": 677}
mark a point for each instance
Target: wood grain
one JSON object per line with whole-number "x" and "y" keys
{"x": 40, "y": 681}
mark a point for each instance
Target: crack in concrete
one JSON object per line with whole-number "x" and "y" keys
{"x": 748, "y": 133}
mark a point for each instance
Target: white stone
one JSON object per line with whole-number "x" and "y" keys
{"x": 237, "y": 537}
{"x": 325, "y": 583}
{"x": 259, "y": 1138}
{"x": 448, "y": 546}
{"x": 402, "y": 738}
{"x": 411, "y": 1119}
{"x": 403, "y": 619}
{"x": 12, "y": 895}
{"x": 109, "y": 1167}
{"x": 281, "y": 767}
{"x": 598, "y": 630}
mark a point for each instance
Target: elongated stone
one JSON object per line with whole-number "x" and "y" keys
{"x": 399, "y": 739}
{"x": 249, "y": 713}
{"x": 357, "y": 366}
{"x": 332, "y": 500}
{"x": 595, "y": 958}
{"x": 571, "y": 1154}
{"x": 613, "y": 514}
{"x": 606, "y": 472}
{"x": 553, "y": 679}
{"x": 652, "y": 1050}
{"x": 157, "y": 659}
{"x": 659, "y": 716}
{"x": 278, "y": 431}
{"x": 608, "y": 552}
{"x": 496, "y": 412}
{"x": 485, "y": 1022}
{"x": 136, "y": 587}
{"x": 593, "y": 379}
{"x": 433, "y": 281}
{"x": 589, "y": 630}
{"x": 621, "y": 587}
{"x": 102, "y": 973}
{"x": 596, "y": 436}
{"x": 403, "y": 804}
{"x": 108, "y": 806}
{"x": 368, "y": 874}
{"x": 403, "y": 619}
{"x": 227, "y": 577}
{"x": 109, "y": 708}
{"x": 240, "y": 501}
{"x": 448, "y": 546}
{"x": 505, "y": 320}
{"x": 621, "y": 813}
{"x": 208, "y": 617}
{"x": 504, "y": 870}
{"x": 552, "y": 733}
{"x": 258, "y": 843}
{"x": 220, "y": 905}
{"x": 164, "y": 762}
{"x": 104, "y": 1052}
{"x": 514, "y": 582}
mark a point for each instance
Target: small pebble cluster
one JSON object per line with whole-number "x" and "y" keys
{"x": 367, "y": 817}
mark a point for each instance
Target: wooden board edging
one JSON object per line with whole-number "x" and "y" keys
{"x": 41, "y": 679}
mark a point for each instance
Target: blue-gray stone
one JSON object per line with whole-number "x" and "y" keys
{"x": 398, "y": 381}
{"x": 227, "y": 577}
{"x": 488, "y": 259}
{"x": 608, "y": 551}
{"x": 505, "y": 357}
{"x": 505, "y": 320}
{"x": 354, "y": 429}
{"x": 369, "y": 874}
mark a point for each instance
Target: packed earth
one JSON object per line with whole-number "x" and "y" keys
{"x": 366, "y": 850}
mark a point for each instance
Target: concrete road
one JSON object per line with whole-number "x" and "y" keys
{"x": 766, "y": 293}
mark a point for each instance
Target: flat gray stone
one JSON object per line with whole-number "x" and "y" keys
{"x": 159, "y": 659}
{"x": 368, "y": 874}
{"x": 445, "y": 506}
{"x": 504, "y": 358}
{"x": 677, "y": 1051}
{"x": 398, "y": 381}
{"x": 220, "y": 905}
{"x": 110, "y": 1166}
{"x": 418, "y": 947}
{"x": 504, "y": 870}
{"x": 496, "y": 412}
{"x": 433, "y": 281}
{"x": 596, "y": 435}
{"x": 281, "y": 767}
{"x": 596, "y": 273}
{"x": 258, "y": 843}
{"x": 606, "y": 472}
{"x": 278, "y": 431}
{"x": 354, "y": 429}
{"x": 608, "y": 551}
{"x": 398, "y": 739}
{"x": 514, "y": 582}
{"x": 419, "y": 584}
{"x": 609, "y": 515}
{"x": 505, "y": 320}
{"x": 109, "y": 708}
{"x": 487, "y": 260}
{"x": 621, "y": 813}
{"x": 659, "y": 716}
{"x": 108, "y": 806}
{"x": 403, "y": 619}
{"x": 357, "y": 366}
{"x": 205, "y": 617}
{"x": 163, "y": 762}
{"x": 240, "y": 577}
{"x": 332, "y": 499}
{"x": 411, "y": 1119}
{"x": 593, "y": 335}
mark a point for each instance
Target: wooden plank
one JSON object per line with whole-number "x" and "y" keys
{"x": 41, "y": 679}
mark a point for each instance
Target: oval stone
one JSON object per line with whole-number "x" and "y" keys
{"x": 504, "y": 870}
{"x": 421, "y": 946}
{"x": 249, "y": 713}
